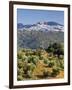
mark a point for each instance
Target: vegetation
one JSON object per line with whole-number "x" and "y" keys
{"x": 41, "y": 63}
{"x": 38, "y": 39}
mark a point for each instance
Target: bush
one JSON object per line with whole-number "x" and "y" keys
{"x": 29, "y": 74}
{"x": 24, "y": 58}
{"x": 55, "y": 72}
{"x": 23, "y": 50}
{"x": 28, "y": 69}
{"x": 50, "y": 58}
{"x": 45, "y": 61}
{"x": 50, "y": 64}
{"x": 19, "y": 55}
{"x": 62, "y": 65}
{"x": 29, "y": 59}
{"x": 31, "y": 66}
{"x": 46, "y": 73}
{"x": 34, "y": 59}
{"x": 25, "y": 67}
{"x": 40, "y": 57}
{"x": 28, "y": 52}
{"x": 38, "y": 52}
{"x": 20, "y": 71}
{"x": 20, "y": 64}
{"x": 19, "y": 78}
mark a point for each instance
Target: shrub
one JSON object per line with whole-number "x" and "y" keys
{"x": 34, "y": 53}
{"x": 34, "y": 59}
{"x": 62, "y": 65}
{"x": 19, "y": 55}
{"x": 20, "y": 71}
{"x": 25, "y": 67}
{"x": 24, "y": 57}
{"x": 28, "y": 69}
{"x": 31, "y": 66}
{"x": 50, "y": 58}
{"x": 29, "y": 74}
{"x": 50, "y": 64}
{"x": 55, "y": 72}
{"x": 20, "y": 64}
{"x": 23, "y": 50}
{"x": 46, "y": 73}
{"x": 29, "y": 52}
{"x": 61, "y": 57}
{"x": 38, "y": 52}
{"x": 40, "y": 57}
{"x": 45, "y": 61}
{"x": 19, "y": 78}
{"x": 29, "y": 59}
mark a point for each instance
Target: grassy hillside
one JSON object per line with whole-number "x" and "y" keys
{"x": 34, "y": 64}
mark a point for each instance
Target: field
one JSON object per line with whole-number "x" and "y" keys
{"x": 35, "y": 64}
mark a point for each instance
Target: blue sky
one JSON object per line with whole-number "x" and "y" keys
{"x": 30, "y": 16}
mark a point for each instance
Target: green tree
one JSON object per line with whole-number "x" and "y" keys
{"x": 56, "y": 49}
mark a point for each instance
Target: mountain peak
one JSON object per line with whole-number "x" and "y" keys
{"x": 46, "y": 23}
{"x": 49, "y": 23}
{"x": 42, "y": 26}
{"x": 54, "y": 23}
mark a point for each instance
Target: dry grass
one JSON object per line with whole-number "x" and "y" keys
{"x": 41, "y": 67}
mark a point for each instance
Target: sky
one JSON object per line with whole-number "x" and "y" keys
{"x": 31, "y": 16}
